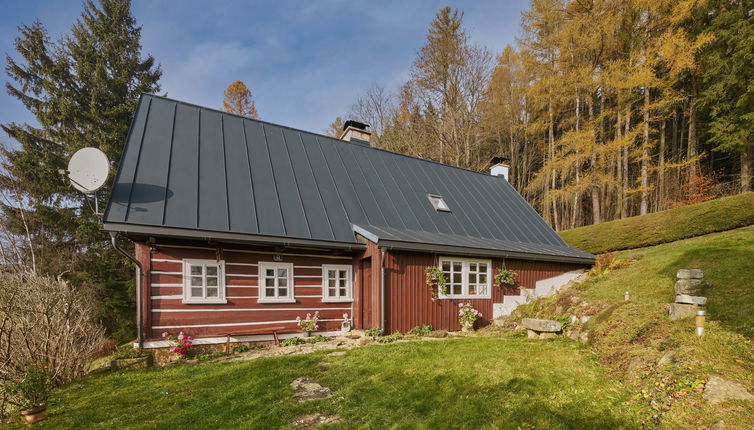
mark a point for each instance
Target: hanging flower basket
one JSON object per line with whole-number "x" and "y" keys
{"x": 505, "y": 278}
{"x": 436, "y": 282}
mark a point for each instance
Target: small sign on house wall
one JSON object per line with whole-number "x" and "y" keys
{"x": 277, "y": 257}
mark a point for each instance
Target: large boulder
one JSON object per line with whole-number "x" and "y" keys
{"x": 547, "y": 326}
{"x": 719, "y": 389}
{"x": 691, "y": 300}
{"x": 690, "y": 274}
{"x": 680, "y": 311}
{"x": 692, "y": 287}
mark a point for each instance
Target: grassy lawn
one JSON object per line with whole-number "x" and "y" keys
{"x": 482, "y": 382}
{"x": 667, "y": 226}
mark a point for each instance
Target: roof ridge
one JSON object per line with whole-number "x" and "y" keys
{"x": 312, "y": 133}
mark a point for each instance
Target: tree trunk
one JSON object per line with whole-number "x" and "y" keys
{"x": 624, "y": 195}
{"x": 577, "y": 195}
{"x": 619, "y": 166}
{"x": 644, "y": 204}
{"x": 746, "y": 156}
{"x": 661, "y": 172}
{"x": 691, "y": 150}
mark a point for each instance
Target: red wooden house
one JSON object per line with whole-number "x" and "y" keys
{"x": 240, "y": 226}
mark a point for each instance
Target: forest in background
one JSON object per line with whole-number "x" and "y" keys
{"x": 604, "y": 109}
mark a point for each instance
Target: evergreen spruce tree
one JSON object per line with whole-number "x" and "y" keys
{"x": 82, "y": 90}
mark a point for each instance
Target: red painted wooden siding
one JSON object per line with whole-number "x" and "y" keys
{"x": 242, "y": 314}
{"x": 409, "y": 301}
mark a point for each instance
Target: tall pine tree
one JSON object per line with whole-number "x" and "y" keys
{"x": 82, "y": 89}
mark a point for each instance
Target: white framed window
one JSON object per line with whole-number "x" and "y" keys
{"x": 337, "y": 283}
{"x": 466, "y": 278}
{"x": 203, "y": 281}
{"x": 276, "y": 283}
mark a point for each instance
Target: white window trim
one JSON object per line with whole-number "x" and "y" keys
{"x": 465, "y": 278}
{"x": 349, "y": 283}
{"x": 263, "y": 266}
{"x": 187, "y": 299}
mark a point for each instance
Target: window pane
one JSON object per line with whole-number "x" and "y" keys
{"x": 211, "y": 270}
{"x": 196, "y": 270}
{"x": 282, "y": 292}
{"x": 196, "y": 292}
{"x": 269, "y": 292}
{"x": 212, "y": 292}
{"x": 456, "y": 289}
{"x": 211, "y": 281}
{"x": 196, "y": 281}
{"x": 331, "y": 292}
{"x": 482, "y": 289}
{"x": 269, "y": 272}
{"x": 483, "y": 278}
{"x": 457, "y": 266}
{"x": 331, "y": 274}
{"x": 282, "y": 273}
{"x": 343, "y": 292}
{"x": 482, "y": 268}
{"x": 331, "y": 283}
{"x": 283, "y": 282}
{"x": 269, "y": 282}
{"x": 457, "y": 278}
{"x": 446, "y": 266}
{"x": 343, "y": 274}
{"x": 473, "y": 267}
{"x": 472, "y": 278}
{"x": 472, "y": 289}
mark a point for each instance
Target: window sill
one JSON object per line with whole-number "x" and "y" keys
{"x": 204, "y": 301}
{"x": 264, "y": 301}
{"x": 324, "y": 300}
{"x": 465, "y": 297}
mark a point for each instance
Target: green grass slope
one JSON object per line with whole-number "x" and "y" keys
{"x": 631, "y": 338}
{"x": 474, "y": 383}
{"x": 662, "y": 227}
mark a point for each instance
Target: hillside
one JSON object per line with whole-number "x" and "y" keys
{"x": 659, "y": 359}
{"x": 666, "y": 226}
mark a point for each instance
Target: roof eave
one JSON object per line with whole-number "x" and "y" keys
{"x": 252, "y": 239}
{"x": 480, "y": 252}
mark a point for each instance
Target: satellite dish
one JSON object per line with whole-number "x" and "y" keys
{"x": 88, "y": 170}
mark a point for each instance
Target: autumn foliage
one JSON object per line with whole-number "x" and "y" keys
{"x": 239, "y": 100}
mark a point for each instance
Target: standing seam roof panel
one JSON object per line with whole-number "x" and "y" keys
{"x": 269, "y": 216}
{"x": 242, "y": 212}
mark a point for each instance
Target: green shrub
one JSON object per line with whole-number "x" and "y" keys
{"x": 667, "y": 226}
{"x": 421, "y": 330}
{"x": 240, "y": 348}
{"x": 374, "y": 331}
{"x": 291, "y": 341}
{"x": 390, "y": 338}
{"x": 318, "y": 338}
{"x": 32, "y": 389}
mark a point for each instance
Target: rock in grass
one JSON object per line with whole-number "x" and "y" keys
{"x": 308, "y": 389}
{"x": 314, "y": 420}
{"x": 549, "y": 326}
{"x": 719, "y": 389}
{"x": 690, "y": 287}
{"x": 690, "y": 274}
{"x": 691, "y": 300}
{"x": 680, "y": 311}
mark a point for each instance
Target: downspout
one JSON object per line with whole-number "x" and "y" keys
{"x": 137, "y": 263}
{"x": 382, "y": 288}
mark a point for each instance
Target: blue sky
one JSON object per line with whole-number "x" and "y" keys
{"x": 305, "y": 61}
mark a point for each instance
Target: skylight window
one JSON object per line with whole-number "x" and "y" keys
{"x": 438, "y": 203}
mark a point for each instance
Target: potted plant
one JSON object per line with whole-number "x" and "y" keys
{"x": 345, "y": 326}
{"x": 505, "y": 277}
{"x": 308, "y": 324}
{"x": 436, "y": 282}
{"x": 31, "y": 393}
{"x": 467, "y": 316}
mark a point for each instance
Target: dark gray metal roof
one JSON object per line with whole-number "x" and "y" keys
{"x": 190, "y": 171}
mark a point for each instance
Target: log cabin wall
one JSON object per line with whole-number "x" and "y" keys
{"x": 409, "y": 301}
{"x": 164, "y": 310}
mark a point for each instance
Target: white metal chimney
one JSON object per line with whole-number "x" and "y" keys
{"x": 500, "y": 169}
